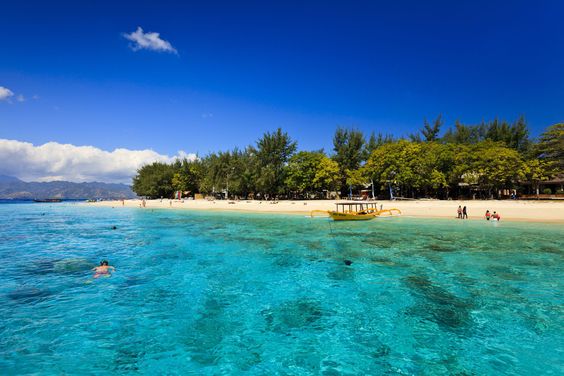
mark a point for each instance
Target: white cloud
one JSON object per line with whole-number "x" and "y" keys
{"x": 5, "y": 93}
{"x": 20, "y": 98}
{"x": 148, "y": 41}
{"x": 54, "y": 161}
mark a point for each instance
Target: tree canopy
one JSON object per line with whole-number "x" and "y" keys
{"x": 272, "y": 153}
{"x": 551, "y": 147}
{"x": 348, "y": 145}
{"x": 483, "y": 158}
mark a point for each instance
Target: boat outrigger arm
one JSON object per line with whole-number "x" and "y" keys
{"x": 356, "y": 211}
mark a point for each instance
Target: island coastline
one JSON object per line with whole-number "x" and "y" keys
{"x": 509, "y": 210}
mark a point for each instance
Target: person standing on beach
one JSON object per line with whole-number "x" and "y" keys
{"x": 464, "y": 213}
{"x": 459, "y": 212}
{"x": 488, "y": 215}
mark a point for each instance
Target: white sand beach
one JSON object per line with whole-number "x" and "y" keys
{"x": 510, "y": 210}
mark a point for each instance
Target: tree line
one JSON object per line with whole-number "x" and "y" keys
{"x": 481, "y": 159}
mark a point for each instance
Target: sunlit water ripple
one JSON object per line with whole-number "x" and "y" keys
{"x": 229, "y": 293}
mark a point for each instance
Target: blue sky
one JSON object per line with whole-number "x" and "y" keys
{"x": 242, "y": 68}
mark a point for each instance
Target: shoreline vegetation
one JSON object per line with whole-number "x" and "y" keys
{"x": 490, "y": 160}
{"x": 510, "y": 210}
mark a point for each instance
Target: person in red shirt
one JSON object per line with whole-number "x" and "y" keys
{"x": 488, "y": 215}
{"x": 496, "y": 216}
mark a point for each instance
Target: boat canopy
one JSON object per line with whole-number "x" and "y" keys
{"x": 355, "y": 206}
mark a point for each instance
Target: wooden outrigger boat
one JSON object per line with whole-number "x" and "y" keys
{"x": 355, "y": 211}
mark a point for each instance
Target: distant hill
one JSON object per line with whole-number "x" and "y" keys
{"x": 8, "y": 179}
{"x": 13, "y": 188}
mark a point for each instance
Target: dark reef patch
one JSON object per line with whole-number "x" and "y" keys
{"x": 26, "y": 295}
{"x": 297, "y": 314}
{"x": 436, "y": 304}
{"x": 441, "y": 247}
{"x": 379, "y": 242}
{"x": 550, "y": 249}
{"x": 40, "y": 267}
{"x": 72, "y": 266}
{"x": 287, "y": 261}
{"x": 382, "y": 261}
{"x": 208, "y": 331}
{"x": 341, "y": 274}
{"x": 507, "y": 273}
{"x": 127, "y": 359}
{"x": 381, "y": 351}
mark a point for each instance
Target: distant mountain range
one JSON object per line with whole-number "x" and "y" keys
{"x": 14, "y": 188}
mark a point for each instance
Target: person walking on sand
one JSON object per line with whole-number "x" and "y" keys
{"x": 459, "y": 212}
{"x": 464, "y": 213}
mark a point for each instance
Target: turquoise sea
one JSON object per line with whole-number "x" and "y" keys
{"x": 229, "y": 293}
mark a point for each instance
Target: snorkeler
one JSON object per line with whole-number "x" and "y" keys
{"x": 103, "y": 269}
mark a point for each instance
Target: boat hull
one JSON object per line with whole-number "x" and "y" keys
{"x": 336, "y": 216}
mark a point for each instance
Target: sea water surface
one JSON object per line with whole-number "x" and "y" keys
{"x": 212, "y": 293}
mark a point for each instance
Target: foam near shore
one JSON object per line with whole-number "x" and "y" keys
{"x": 510, "y": 210}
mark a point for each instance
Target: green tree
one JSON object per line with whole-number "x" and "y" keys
{"x": 327, "y": 176}
{"x": 302, "y": 170}
{"x": 272, "y": 153}
{"x": 432, "y": 163}
{"x": 495, "y": 166}
{"x": 515, "y": 136}
{"x": 154, "y": 180}
{"x": 416, "y": 168}
{"x": 463, "y": 134}
{"x": 355, "y": 178}
{"x": 431, "y": 132}
{"x": 536, "y": 171}
{"x": 394, "y": 164}
{"x": 348, "y": 145}
{"x": 180, "y": 182}
{"x": 187, "y": 175}
{"x": 312, "y": 172}
{"x": 244, "y": 172}
{"x": 227, "y": 171}
{"x": 519, "y": 138}
{"x": 374, "y": 142}
{"x": 551, "y": 148}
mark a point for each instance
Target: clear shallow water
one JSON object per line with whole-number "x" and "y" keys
{"x": 212, "y": 293}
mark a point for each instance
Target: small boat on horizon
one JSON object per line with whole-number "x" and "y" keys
{"x": 48, "y": 200}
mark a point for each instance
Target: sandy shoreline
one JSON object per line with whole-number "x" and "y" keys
{"x": 528, "y": 211}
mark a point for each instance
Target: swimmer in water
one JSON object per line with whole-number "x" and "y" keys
{"x": 103, "y": 270}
